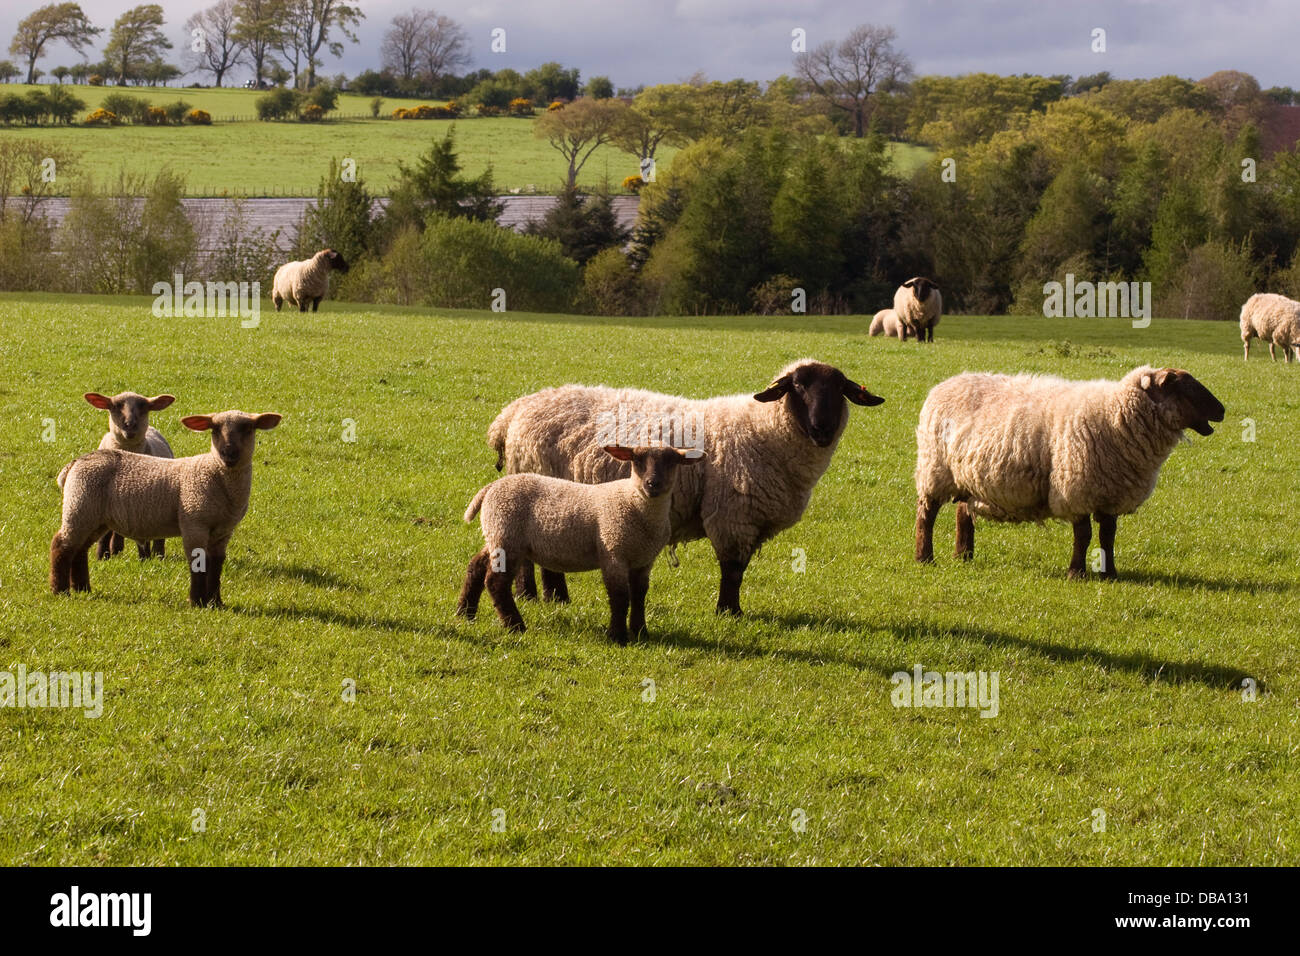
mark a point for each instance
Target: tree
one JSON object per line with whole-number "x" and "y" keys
{"x": 8, "y": 71}
{"x": 215, "y": 32}
{"x": 308, "y": 25}
{"x": 426, "y": 44}
{"x": 257, "y": 27}
{"x": 60, "y": 73}
{"x": 599, "y": 88}
{"x": 434, "y": 186}
{"x": 445, "y": 49}
{"x": 846, "y": 75}
{"x": 57, "y": 21}
{"x": 549, "y": 82}
{"x": 583, "y": 225}
{"x": 579, "y": 130}
{"x": 136, "y": 40}
{"x": 658, "y": 114}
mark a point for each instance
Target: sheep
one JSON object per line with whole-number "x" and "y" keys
{"x": 129, "y": 430}
{"x": 918, "y": 305}
{"x": 886, "y": 323}
{"x": 764, "y": 455}
{"x": 618, "y": 528}
{"x": 306, "y": 280}
{"x": 201, "y": 498}
{"x": 1029, "y": 447}
{"x": 1274, "y": 319}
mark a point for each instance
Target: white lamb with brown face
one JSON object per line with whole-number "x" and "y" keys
{"x": 129, "y": 430}
{"x": 618, "y": 528}
{"x": 304, "y": 282}
{"x": 200, "y": 499}
{"x": 1033, "y": 447}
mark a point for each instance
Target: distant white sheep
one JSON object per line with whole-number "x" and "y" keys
{"x": 886, "y": 323}
{"x": 918, "y": 306}
{"x": 1033, "y": 447}
{"x": 306, "y": 281}
{"x": 1273, "y": 318}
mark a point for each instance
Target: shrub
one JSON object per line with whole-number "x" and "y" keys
{"x": 132, "y": 109}
{"x": 340, "y": 218}
{"x": 102, "y": 117}
{"x": 1212, "y": 284}
{"x": 555, "y": 105}
{"x": 325, "y": 96}
{"x": 634, "y": 183}
{"x": 775, "y": 295}
{"x": 278, "y": 104}
{"x": 424, "y": 111}
{"x": 175, "y": 112}
{"x": 243, "y": 252}
{"x": 198, "y": 118}
{"x": 95, "y": 80}
{"x": 312, "y": 113}
{"x": 521, "y": 106}
{"x": 157, "y": 116}
{"x": 583, "y": 225}
{"x": 485, "y": 110}
{"x": 376, "y": 105}
{"x": 26, "y": 259}
{"x": 610, "y": 283}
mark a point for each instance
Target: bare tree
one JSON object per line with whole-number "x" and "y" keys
{"x": 445, "y": 48}
{"x": 847, "y": 74}
{"x": 424, "y": 43}
{"x": 401, "y": 47}
{"x": 214, "y": 32}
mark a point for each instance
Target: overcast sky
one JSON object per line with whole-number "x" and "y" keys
{"x": 658, "y": 41}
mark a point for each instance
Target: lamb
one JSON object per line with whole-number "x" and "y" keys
{"x": 129, "y": 430}
{"x": 764, "y": 454}
{"x": 306, "y": 280}
{"x": 618, "y": 527}
{"x": 886, "y": 323}
{"x": 1274, "y": 319}
{"x": 202, "y": 499}
{"x": 1028, "y": 448}
{"x": 918, "y": 306}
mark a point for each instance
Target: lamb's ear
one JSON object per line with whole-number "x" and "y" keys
{"x": 99, "y": 401}
{"x": 266, "y": 420}
{"x": 909, "y": 283}
{"x": 159, "y": 402}
{"x": 619, "y": 452}
{"x": 690, "y": 455}
{"x": 197, "y": 423}
{"x": 774, "y": 391}
{"x": 858, "y": 395}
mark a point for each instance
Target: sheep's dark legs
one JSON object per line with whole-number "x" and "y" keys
{"x": 302, "y": 306}
{"x": 472, "y": 589}
{"x": 498, "y": 586}
{"x": 1082, "y": 538}
{"x": 315, "y": 303}
{"x": 160, "y": 548}
{"x": 733, "y": 572}
{"x": 638, "y": 580}
{"x": 142, "y": 549}
{"x": 965, "y": 549}
{"x": 104, "y": 547}
{"x": 278, "y": 300}
{"x": 554, "y": 587}
{"x": 60, "y": 564}
{"x": 929, "y": 334}
{"x": 216, "y": 560}
{"x": 927, "y": 509}
{"x": 525, "y": 583}
{"x": 616, "y": 586}
{"x": 1106, "y": 531}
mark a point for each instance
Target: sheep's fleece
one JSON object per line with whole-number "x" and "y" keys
{"x": 1028, "y": 447}
{"x": 1275, "y": 319}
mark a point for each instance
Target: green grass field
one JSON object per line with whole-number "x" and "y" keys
{"x": 253, "y": 158}
{"x": 1121, "y": 697}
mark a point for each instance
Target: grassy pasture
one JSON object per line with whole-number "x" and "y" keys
{"x": 1122, "y": 697}
{"x": 289, "y": 158}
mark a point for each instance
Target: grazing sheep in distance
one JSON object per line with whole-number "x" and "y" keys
{"x": 1273, "y": 318}
{"x": 918, "y": 305}
{"x": 202, "y": 499}
{"x": 618, "y": 528}
{"x": 129, "y": 430}
{"x": 764, "y": 454}
{"x": 306, "y": 280}
{"x": 886, "y": 323}
{"x": 1031, "y": 447}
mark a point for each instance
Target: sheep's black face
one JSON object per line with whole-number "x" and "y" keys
{"x": 921, "y": 287}
{"x": 814, "y": 394}
{"x": 655, "y": 468}
{"x": 336, "y": 261}
{"x": 1190, "y": 403}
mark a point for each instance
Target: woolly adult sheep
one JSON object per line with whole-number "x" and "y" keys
{"x": 306, "y": 280}
{"x": 129, "y": 430}
{"x": 201, "y": 498}
{"x": 1033, "y": 447}
{"x": 763, "y": 455}
{"x": 886, "y": 323}
{"x": 618, "y": 528}
{"x": 1273, "y": 318}
{"x": 918, "y": 305}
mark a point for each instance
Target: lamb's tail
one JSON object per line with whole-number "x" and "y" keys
{"x": 63, "y": 473}
{"x": 476, "y": 504}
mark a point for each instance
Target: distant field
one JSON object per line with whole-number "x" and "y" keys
{"x": 1121, "y": 698}
{"x": 288, "y": 159}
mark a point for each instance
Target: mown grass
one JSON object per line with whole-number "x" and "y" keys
{"x": 289, "y": 158}
{"x": 1121, "y": 697}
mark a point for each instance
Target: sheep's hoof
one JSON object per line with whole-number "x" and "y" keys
{"x": 732, "y": 610}
{"x": 1076, "y": 574}
{"x": 618, "y": 637}
{"x": 516, "y": 627}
